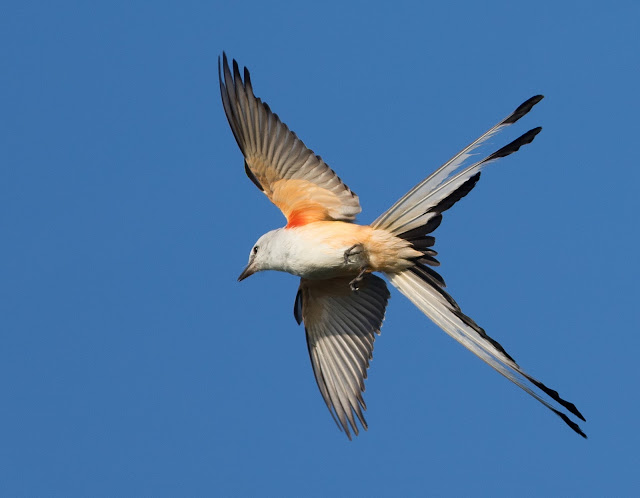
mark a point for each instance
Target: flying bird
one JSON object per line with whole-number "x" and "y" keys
{"x": 340, "y": 300}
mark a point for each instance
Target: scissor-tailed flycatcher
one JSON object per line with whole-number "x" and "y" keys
{"x": 340, "y": 301}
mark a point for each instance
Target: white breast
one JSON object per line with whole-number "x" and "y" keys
{"x": 300, "y": 253}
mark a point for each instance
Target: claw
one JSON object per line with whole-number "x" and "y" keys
{"x": 354, "y": 283}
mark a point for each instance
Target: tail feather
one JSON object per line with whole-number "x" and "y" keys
{"x": 447, "y": 315}
{"x": 453, "y": 180}
{"x": 418, "y": 214}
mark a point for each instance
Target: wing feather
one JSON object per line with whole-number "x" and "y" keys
{"x": 341, "y": 326}
{"x": 295, "y": 179}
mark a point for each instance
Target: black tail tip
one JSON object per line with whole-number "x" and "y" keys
{"x": 514, "y": 146}
{"x": 523, "y": 109}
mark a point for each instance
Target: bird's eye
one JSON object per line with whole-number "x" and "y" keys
{"x": 255, "y": 249}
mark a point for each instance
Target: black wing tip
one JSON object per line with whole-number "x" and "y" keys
{"x": 225, "y": 62}
{"x": 236, "y": 70}
{"x": 247, "y": 78}
{"x": 224, "y": 72}
{"x": 523, "y": 109}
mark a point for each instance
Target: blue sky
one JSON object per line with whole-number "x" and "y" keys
{"x": 133, "y": 363}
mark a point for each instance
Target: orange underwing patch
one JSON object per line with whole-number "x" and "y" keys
{"x": 301, "y": 217}
{"x": 303, "y": 202}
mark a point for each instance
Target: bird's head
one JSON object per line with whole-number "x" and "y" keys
{"x": 262, "y": 255}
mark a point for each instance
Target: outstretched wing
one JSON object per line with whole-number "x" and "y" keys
{"x": 277, "y": 161}
{"x": 341, "y": 326}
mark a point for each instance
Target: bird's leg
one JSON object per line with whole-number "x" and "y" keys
{"x": 354, "y": 250}
{"x": 354, "y": 283}
{"x": 355, "y": 255}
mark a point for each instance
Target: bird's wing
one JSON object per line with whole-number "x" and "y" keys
{"x": 295, "y": 179}
{"x": 341, "y": 326}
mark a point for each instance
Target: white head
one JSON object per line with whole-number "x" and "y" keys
{"x": 265, "y": 254}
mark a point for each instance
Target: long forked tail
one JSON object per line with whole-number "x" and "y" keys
{"x": 419, "y": 213}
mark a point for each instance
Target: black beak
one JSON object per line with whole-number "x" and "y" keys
{"x": 247, "y": 272}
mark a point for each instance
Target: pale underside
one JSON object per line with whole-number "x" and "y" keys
{"x": 376, "y": 250}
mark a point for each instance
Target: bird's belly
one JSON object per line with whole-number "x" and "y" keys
{"x": 320, "y": 261}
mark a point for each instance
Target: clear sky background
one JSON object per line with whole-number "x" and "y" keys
{"x": 133, "y": 363}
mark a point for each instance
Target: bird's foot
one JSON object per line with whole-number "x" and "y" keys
{"x": 354, "y": 250}
{"x": 354, "y": 283}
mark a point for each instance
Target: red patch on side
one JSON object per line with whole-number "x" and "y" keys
{"x": 297, "y": 218}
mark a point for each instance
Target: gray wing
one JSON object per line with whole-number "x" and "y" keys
{"x": 341, "y": 326}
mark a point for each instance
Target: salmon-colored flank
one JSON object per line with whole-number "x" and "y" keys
{"x": 301, "y": 217}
